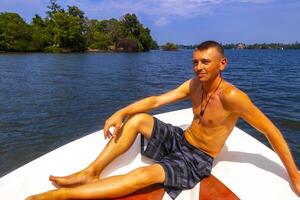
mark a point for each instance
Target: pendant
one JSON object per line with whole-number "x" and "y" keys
{"x": 202, "y": 113}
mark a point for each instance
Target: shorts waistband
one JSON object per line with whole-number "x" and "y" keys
{"x": 194, "y": 148}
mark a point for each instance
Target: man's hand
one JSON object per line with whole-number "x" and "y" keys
{"x": 115, "y": 120}
{"x": 296, "y": 183}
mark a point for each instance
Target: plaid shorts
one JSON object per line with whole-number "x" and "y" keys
{"x": 184, "y": 165}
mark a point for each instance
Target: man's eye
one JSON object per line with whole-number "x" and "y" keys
{"x": 195, "y": 62}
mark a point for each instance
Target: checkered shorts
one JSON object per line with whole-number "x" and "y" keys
{"x": 184, "y": 165}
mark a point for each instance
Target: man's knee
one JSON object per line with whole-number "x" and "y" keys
{"x": 143, "y": 123}
{"x": 146, "y": 176}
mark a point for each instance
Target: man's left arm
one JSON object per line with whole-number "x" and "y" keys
{"x": 241, "y": 104}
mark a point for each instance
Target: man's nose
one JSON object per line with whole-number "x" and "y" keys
{"x": 199, "y": 66}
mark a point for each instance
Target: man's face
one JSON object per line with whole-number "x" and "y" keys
{"x": 208, "y": 63}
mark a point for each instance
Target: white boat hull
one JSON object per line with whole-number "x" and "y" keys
{"x": 247, "y": 167}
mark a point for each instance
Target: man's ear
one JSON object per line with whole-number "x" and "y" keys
{"x": 223, "y": 63}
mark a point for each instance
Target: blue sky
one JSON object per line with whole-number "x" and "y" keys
{"x": 190, "y": 21}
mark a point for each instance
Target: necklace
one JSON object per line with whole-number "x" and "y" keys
{"x": 203, "y": 110}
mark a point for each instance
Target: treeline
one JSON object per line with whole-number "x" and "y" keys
{"x": 295, "y": 45}
{"x": 68, "y": 30}
{"x": 169, "y": 46}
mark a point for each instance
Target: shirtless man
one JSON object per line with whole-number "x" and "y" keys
{"x": 183, "y": 157}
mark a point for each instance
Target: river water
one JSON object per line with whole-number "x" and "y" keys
{"x": 47, "y": 100}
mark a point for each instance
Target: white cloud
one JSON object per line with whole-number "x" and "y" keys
{"x": 161, "y": 11}
{"x": 161, "y": 21}
{"x": 253, "y": 1}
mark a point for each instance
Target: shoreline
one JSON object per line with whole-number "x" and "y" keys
{"x": 111, "y": 51}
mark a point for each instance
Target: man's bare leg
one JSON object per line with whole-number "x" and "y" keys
{"x": 139, "y": 123}
{"x": 111, "y": 187}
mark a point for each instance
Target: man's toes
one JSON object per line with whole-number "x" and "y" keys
{"x": 58, "y": 180}
{"x": 53, "y": 178}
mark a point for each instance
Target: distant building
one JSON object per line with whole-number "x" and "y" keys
{"x": 241, "y": 46}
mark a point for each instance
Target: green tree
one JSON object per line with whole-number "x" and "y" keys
{"x": 145, "y": 39}
{"x": 78, "y": 28}
{"x": 70, "y": 30}
{"x": 133, "y": 29}
{"x": 98, "y": 36}
{"x": 154, "y": 45}
{"x": 131, "y": 25}
{"x": 14, "y": 32}
{"x": 37, "y": 21}
{"x": 115, "y": 30}
{"x": 40, "y": 37}
{"x": 67, "y": 28}
{"x": 169, "y": 46}
{"x": 53, "y": 8}
{"x": 76, "y": 12}
{"x": 100, "y": 41}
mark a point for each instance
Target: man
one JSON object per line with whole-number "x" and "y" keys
{"x": 183, "y": 157}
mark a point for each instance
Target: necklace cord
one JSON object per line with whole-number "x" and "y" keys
{"x": 203, "y": 110}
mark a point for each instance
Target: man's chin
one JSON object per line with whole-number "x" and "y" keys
{"x": 202, "y": 79}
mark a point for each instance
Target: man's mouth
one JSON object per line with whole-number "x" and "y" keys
{"x": 201, "y": 74}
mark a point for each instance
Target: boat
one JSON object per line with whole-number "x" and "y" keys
{"x": 245, "y": 167}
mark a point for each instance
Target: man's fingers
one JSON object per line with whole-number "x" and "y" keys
{"x": 107, "y": 133}
{"x": 116, "y": 130}
{"x": 104, "y": 132}
{"x": 115, "y": 123}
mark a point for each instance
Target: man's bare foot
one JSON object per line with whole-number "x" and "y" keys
{"x": 76, "y": 179}
{"x": 50, "y": 195}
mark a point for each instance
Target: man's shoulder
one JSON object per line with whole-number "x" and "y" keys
{"x": 229, "y": 90}
{"x": 189, "y": 84}
{"x": 232, "y": 95}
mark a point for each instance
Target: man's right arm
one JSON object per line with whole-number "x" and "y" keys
{"x": 146, "y": 104}
{"x": 239, "y": 103}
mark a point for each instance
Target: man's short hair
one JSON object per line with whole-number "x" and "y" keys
{"x": 211, "y": 44}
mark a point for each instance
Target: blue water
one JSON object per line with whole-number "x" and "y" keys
{"x": 47, "y": 100}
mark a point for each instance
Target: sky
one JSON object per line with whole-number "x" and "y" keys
{"x": 189, "y": 21}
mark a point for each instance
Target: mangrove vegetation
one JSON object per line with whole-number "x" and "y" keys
{"x": 169, "y": 46}
{"x": 69, "y": 30}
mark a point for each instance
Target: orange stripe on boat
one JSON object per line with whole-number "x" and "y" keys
{"x": 213, "y": 189}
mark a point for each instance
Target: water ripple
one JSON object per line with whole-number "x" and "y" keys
{"x": 48, "y": 100}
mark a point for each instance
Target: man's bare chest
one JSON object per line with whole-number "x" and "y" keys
{"x": 214, "y": 113}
